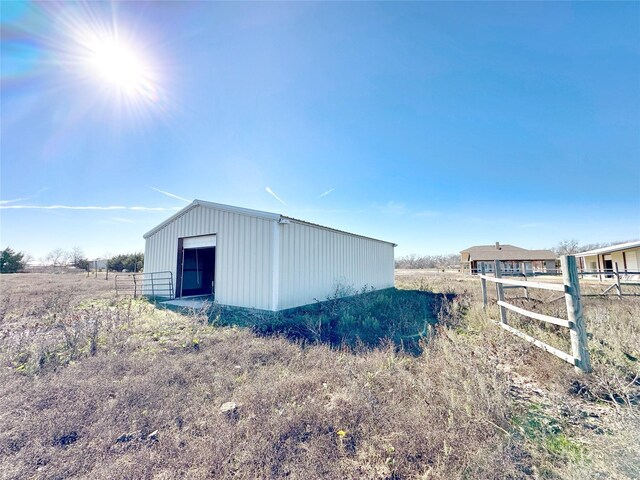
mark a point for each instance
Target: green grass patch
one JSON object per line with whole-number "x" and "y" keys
{"x": 369, "y": 318}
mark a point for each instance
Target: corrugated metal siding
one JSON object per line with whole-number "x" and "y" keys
{"x": 313, "y": 261}
{"x": 243, "y": 271}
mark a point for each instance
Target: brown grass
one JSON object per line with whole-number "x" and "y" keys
{"x": 100, "y": 387}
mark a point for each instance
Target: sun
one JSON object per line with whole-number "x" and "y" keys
{"x": 118, "y": 65}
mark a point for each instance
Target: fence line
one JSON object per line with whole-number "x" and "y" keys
{"x": 618, "y": 280}
{"x": 579, "y": 357}
{"x": 153, "y": 284}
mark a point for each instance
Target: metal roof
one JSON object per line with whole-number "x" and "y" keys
{"x": 253, "y": 213}
{"x": 219, "y": 206}
{"x": 609, "y": 249}
{"x": 336, "y": 230}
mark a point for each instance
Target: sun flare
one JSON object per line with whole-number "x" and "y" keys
{"x": 117, "y": 64}
{"x": 120, "y": 66}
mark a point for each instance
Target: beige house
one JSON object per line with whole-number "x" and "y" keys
{"x": 626, "y": 255}
{"x": 515, "y": 260}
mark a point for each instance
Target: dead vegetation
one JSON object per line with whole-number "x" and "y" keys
{"x": 95, "y": 386}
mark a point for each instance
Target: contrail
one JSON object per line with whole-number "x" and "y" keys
{"x": 270, "y": 192}
{"x": 4, "y": 202}
{"x": 90, "y": 207}
{"x": 168, "y": 194}
{"x": 327, "y": 192}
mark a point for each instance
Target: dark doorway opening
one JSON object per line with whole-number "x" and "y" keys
{"x": 197, "y": 275}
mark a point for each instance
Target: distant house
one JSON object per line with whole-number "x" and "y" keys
{"x": 98, "y": 264}
{"x": 626, "y": 255}
{"x": 515, "y": 260}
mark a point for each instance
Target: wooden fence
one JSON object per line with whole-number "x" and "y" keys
{"x": 619, "y": 279}
{"x": 579, "y": 356}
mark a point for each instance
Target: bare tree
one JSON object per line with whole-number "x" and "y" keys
{"x": 56, "y": 258}
{"x": 567, "y": 247}
{"x": 414, "y": 260}
{"x": 77, "y": 258}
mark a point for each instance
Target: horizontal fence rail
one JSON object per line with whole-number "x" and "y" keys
{"x": 620, "y": 279}
{"x": 579, "y": 356}
{"x": 152, "y": 284}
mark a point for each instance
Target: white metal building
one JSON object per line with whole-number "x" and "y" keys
{"x": 267, "y": 261}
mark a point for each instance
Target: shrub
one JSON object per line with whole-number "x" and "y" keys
{"x": 11, "y": 262}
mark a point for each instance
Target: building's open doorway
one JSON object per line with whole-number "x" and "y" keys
{"x": 608, "y": 264}
{"x": 196, "y": 266}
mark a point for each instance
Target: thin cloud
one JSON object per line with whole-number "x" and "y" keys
{"x": 89, "y": 207}
{"x": 427, "y": 213}
{"x": 169, "y": 194}
{"x": 327, "y": 192}
{"x": 4, "y": 202}
{"x": 393, "y": 208}
{"x": 270, "y": 192}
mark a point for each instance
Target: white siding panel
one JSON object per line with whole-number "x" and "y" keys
{"x": 314, "y": 261}
{"x": 243, "y": 262}
{"x": 632, "y": 261}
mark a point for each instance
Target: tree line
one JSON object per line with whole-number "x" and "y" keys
{"x": 14, "y": 262}
{"x": 414, "y": 260}
{"x": 570, "y": 247}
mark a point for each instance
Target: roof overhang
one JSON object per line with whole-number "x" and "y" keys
{"x": 610, "y": 249}
{"x": 217, "y": 206}
{"x": 253, "y": 213}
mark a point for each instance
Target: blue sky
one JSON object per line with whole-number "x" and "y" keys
{"x": 434, "y": 125}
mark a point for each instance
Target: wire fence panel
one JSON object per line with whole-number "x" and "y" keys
{"x": 152, "y": 284}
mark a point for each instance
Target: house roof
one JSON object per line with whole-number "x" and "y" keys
{"x": 253, "y": 213}
{"x": 609, "y": 249}
{"x": 504, "y": 252}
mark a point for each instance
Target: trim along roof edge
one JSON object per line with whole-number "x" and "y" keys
{"x": 219, "y": 206}
{"x": 316, "y": 225}
{"x": 609, "y": 249}
{"x": 250, "y": 212}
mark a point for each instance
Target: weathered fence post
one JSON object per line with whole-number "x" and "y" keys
{"x": 500, "y": 292}
{"x": 616, "y": 272}
{"x": 483, "y": 282}
{"x": 577, "y": 327}
{"x": 135, "y": 287}
{"x": 524, "y": 274}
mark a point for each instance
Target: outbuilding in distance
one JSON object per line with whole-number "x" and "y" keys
{"x": 260, "y": 260}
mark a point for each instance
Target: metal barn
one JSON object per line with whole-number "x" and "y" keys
{"x": 267, "y": 261}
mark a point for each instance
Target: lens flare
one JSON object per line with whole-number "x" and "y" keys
{"x": 118, "y": 65}
{"x": 111, "y": 59}
{"x": 100, "y": 52}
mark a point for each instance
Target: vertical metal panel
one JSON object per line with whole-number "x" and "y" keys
{"x": 243, "y": 272}
{"x": 315, "y": 261}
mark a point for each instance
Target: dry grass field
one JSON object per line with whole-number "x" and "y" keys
{"x": 96, "y": 386}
